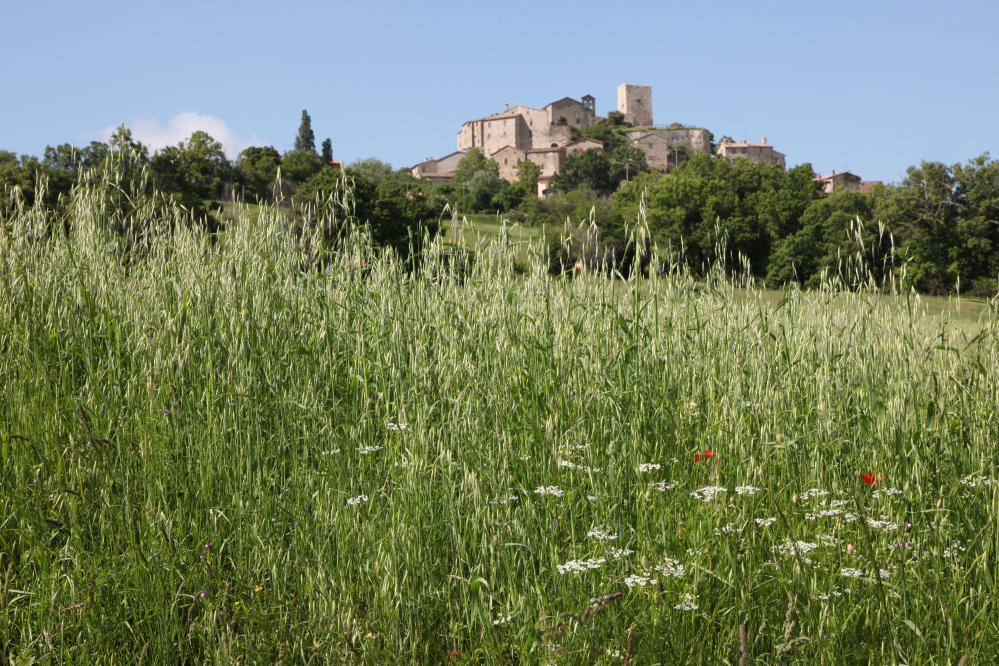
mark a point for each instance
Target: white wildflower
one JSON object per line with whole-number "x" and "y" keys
{"x": 688, "y": 602}
{"x": 728, "y": 529}
{"x": 579, "y": 566}
{"x": 618, "y": 553}
{"x": 851, "y": 573}
{"x": 358, "y": 499}
{"x": 634, "y": 580}
{"x": 509, "y": 498}
{"x": 662, "y": 486}
{"x": 601, "y": 533}
{"x": 648, "y": 467}
{"x": 971, "y": 481}
{"x": 549, "y": 490}
{"x": 397, "y": 426}
{"x": 670, "y": 568}
{"x": 705, "y": 494}
{"x": 795, "y": 548}
{"x": 365, "y": 450}
{"x": 813, "y": 492}
{"x": 823, "y": 514}
{"x": 581, "y": 468}
{"x": 746, "y": 490}
{"x": 501, "y": 619}
{"x": 329, "y": 453}
{"x": 885, "y": 492}
{"x": 765, "y": 522}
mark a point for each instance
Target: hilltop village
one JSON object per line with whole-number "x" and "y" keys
{"x": 545, "y": 136}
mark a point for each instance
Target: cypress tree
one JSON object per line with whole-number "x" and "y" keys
{"x": 306, "y": 139}
{"x": 327, "y": 152}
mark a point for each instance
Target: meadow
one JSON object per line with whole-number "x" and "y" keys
{"x": 241, "y": 454}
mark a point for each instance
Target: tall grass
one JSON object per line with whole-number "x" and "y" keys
{"x": 220, "y": 453}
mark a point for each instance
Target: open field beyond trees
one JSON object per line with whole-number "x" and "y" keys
{"x": 255, "y": 452}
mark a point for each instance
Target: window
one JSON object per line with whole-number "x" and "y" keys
{"x": 489, "y": 136}
{"x": 531, "y": 123}
{"x": 732, "y": 160}
{"x": 506, "y": 160}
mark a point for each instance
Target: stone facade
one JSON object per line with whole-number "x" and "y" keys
{"x": 539, "y": 135}
{"x": 507, "y": 157}
{"x": 576, "y": 113}
{"x": 436, "y": 169}
{"x": 844, "y": 179}
{"x": 579, "y": 146}
{"x": 635, "y": 102}
{"x": 549, "y": 159}
{"x": 695, "y": 140}
{"x": 754, "y": 152}
{"x": 658, "y": 153}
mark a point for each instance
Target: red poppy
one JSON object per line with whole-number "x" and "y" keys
{"x": 871, "y": 479}
{"x": 697, "y": 457}
{"x": 708, "y": 453}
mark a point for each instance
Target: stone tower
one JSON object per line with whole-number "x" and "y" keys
{"x": 635, "y": 102}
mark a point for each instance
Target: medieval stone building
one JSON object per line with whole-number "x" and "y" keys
{"x": 754, "y": 152}
{"x": 544, "y": 136}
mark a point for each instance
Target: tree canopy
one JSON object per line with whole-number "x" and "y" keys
{"x": 474, "y": 161}
{"x": 306, "y": 139}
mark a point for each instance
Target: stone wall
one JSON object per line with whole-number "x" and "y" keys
{"x": 754, "y": 152}
{"x": 635, "y": 102}
{"x": 575, "y": 114}
{"x": 507, "y": 158}
{"x": 549, "y": 159}
{"x": 579, "y": 146}
{"x": 548, "y": 135}
{"x": 657, "y": 151}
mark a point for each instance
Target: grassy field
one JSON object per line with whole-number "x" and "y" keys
{"x": 214, "y": 457}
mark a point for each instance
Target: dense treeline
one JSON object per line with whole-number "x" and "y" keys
{"x": 941, "y": 222}
{"x": 197, "y": 176}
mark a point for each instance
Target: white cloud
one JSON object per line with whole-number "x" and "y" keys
{"x": 154, "y": 135}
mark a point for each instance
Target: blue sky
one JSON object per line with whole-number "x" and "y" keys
{"x": 872, "y": 87}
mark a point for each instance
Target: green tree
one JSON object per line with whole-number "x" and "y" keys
{"x": 748, "y": 203}
{"x": 945, "y": 219}
{"x": 591, "y": 169}
{"x": 823, "y": 240}
{"x": 306, "y": 139}
{"x": 194, "y": 170}
{"x": 297, "y": 166}
{"x": 394, "y": 214}
{"x": 258, "y": 168}
{"x": 473, "y": 162}
{"x": 480, "y": 191}
{"x": 617, "y": 118}
{"x": 372, "y": 168}
{"x": 627, "y": 162}
{"x": 18, "y": 174}
{"x": 527, "y": 175}
{"x": 327, "y": 151}
{"x": 70, "y": 159}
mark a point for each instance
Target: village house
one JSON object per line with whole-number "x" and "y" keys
{"x": 754, "y": 152}
{"x": 580, "y": 146}
{"x": 658, "y": 154}
{"x": 848, "y": 181}
{"x": 438, "y": 171}
{"x": 507, "y": 157}
{"x": 834, "y": 181}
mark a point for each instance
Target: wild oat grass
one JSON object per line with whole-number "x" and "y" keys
{"x": 228, "y": 455}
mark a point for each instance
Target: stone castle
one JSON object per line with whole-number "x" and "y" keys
{"x": 544, "y": 136}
